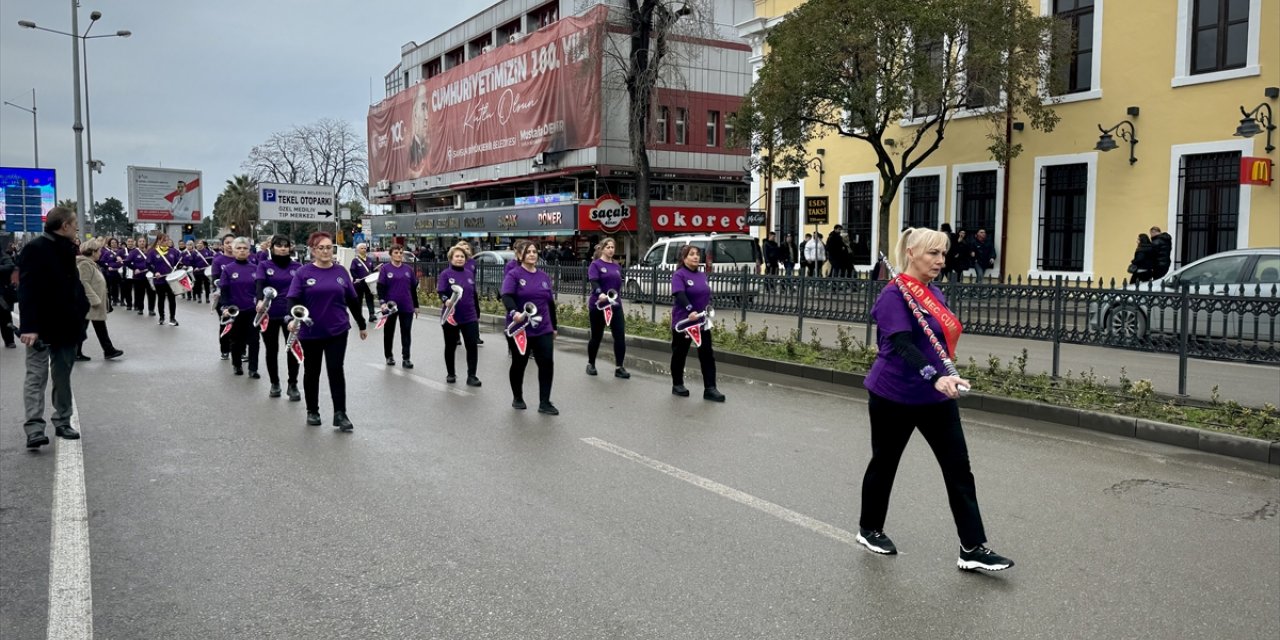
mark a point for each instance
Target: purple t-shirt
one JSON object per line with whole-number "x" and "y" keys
{"x": 532, "y": 287}
{"x": 110, "y": 261}
{"x": 280, "y": 279}
{"x": 324, "y": 292}
{"x": 890, "y": 376}
{"x": 237, "y": 285}
{"x": 465, "y": 311}
{"x": 359, "y": 268}
{"x": 137, "y": 261}
{"x": 219, "y": 261}
{"x": 695, "y": 287}
{"x": 163, "y": 265}
{"x": 400, "y": 284}
{"x": 609, "y": 275}
{"x": 260, "y": 256}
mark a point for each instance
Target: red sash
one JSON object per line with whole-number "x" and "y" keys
{"x": 923, "y": 295}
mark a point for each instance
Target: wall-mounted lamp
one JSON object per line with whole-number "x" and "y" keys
{"x": 822, "y": 172}
{"x": 1259, "y": 119}
{"x": 1125, "y": 130}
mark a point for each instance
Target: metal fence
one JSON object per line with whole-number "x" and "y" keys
{"x": 1223, "y": 322}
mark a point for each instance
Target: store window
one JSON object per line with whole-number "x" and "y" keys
{"x": 713, "y": 128}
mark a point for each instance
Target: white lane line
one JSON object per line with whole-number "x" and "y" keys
{"x": 760, "y": 504}
{"x": 432, "y": 384}
{"x": 70, "y": 586}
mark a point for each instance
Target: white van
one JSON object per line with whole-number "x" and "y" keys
{"x": 725, "y": 253}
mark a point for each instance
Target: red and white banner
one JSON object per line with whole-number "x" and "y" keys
{"x": 609, "y": 214}
{"x": 157, "y": 194}
{"x": 537, "y": 95}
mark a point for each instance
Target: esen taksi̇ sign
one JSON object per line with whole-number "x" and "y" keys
{"x": 294, "y": 202}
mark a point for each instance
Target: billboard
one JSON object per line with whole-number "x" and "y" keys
{"x": 293, "y": 202}
{"x": 12, "y": 181}
{"x": 168, "y": 195}
{"x": 539, "y": 94}
{"x": 610, "y": 214}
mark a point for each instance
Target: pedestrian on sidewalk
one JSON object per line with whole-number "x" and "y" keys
{"x": 277, "y": 273}
{"x": 959, "y": 256}
{"x": 96, "y": 290}
{"x": 772, "y": 254}
{"x": 463, "y": 323}
{"x": 1163, "y": 244}
{"x": 53, "y": 306}
{"x": 398, "y": 284}
{"x": 788, "y": 252}
{"x": 527, "y": 284}
{"x": 909, "y": 389}
{"x": 324, "y": 288}
{"x": 984, "y": 254}
{"x": 1142, "y": 267}
{"x": 815, "y": 255}
{"x": 690, "y": 311}
{"x": 605, "y": 276}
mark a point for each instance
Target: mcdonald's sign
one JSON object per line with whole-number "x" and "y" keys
{"x": 1255, "y": 171}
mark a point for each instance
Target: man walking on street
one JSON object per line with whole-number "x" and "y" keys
{"x": 53, "y": 307}
{"x": 1162, "y": 242}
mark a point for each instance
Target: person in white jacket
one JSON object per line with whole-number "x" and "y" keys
{"x": 815, "y": 255}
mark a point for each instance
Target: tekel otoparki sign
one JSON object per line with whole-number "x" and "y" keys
{"x": 296, "y": 202}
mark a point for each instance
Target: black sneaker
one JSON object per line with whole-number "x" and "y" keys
{"x": 173, "y": 323}
{"x": 519, "y": 404}
{"x": 238, "y": 370}
{"x": 80, "y": 357}
{"x": 293, "y": 394}
{"x": 161, "y": 322}
{"x": 876, "y": 541}
{"x": 680, "y": 390}
{"x": 591, "y": 369}
{"x": 451, "y": 378}
{"x": 254, "y": 374}
{"x": 113, "y": 354}
{"x": 548, "y": 408}
{"x": 473, "y": 381}
{"x": 391, "y": 362}
{"x": 341, "y": 422}
{"x": 713, "y": 394}
{"x": 621, "y": 372}
{"x": 407, "y": 364}
{"x": 139, "y": 311}
{"x": 313, "y": 418}
{"x": 274, "y": 392}
{"x": 226, "y": 356}
{"x": 980, "y": 557}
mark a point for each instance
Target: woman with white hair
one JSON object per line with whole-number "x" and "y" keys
{"x": 95, "y": 288}
{"x": 238, "y": 289}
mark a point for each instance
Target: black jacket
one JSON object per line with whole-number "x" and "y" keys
{"x": 984, "y": 254}
{"x": 770, "y": 252}
{"x": 51, "y": 297}
{"x": 7, "y": 290}
{"x": 1144, "y": 258}
{"x": 1163, "y": 246}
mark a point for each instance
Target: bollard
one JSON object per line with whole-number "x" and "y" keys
{"x": 1184, "y": 301}
{"x": 1055, "y": 323}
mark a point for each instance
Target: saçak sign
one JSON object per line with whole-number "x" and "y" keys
{"x": 609, "y": 214}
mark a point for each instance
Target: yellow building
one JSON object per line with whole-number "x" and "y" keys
{"x": 1185, "y": 66}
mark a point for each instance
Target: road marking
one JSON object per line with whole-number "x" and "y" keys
{"x": 760, "y": 504}
{"x": 438, "y": 386}
{"x": 70, "y": 587}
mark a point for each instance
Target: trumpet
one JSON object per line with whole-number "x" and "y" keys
{"x": 704, "y": 320}
{"x": 268, "y": 294}
{"x": 390, "y": 310}
{"x": 610, "y": 300}
{"x": 446, "y": 313}
{"x": 301, "y": 316}
{"x": 229, "y": 314}
{"x": 531, "y": 318}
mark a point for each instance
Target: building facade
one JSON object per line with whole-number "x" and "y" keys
{"x": 1179, "y": 70}
{"x": 514, "y": 123}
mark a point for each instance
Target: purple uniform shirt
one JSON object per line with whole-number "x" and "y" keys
{"x": 163, "y": 265}
{"x": 466, "y": 310}
{"x": 890, "y": 376}
{"x": 280, "y": 279}
{"x": 200, "y": 259}
{"x": 237, "y": 285}
{"x": 219, "y": 261}
{"x": 695, "y": 288}
{"x": 532, "y": 287}
{"x": 138, "y": 262}
{"x": 360, "y": 268}
{"x": 324, "y": 292}
{"x": 400, "y": 285}
{"x": 110, "y": 261}
{"x": 609, "y": 275}
{"x": 260, "y": 256}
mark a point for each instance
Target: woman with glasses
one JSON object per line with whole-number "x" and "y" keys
{"x": 238, "y": 285}
{"x": 277, "y": 273}
{"x": 528, "y": 285}
{"x": 398, "y": 284}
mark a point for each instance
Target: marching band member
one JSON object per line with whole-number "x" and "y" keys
{"x": 471, "y": 266}
{"x": 220, "y": 260}
{"x": 522, "y": 286}
{"x": 201, "y": 259}
{"x": 605, "y": 276}
{"x": 465, "y": 317}
{"x": 138, "y": 261}
{"x": 162, "y": 260}
{"x": 237, "y": 287}
{"x": 277, "y": 273}
{"x": 910, "y": 389}
{"x": 398, "y": 283}
{"x": 126, "y": 283}
{"x": 185, "y": 249}
{"x": 360, "y": 269}
{"x": 263, "y": 254}
{"x": 692, "y": 299}
{"x": 324, "y": 288}
{"x": 111, "y": 264}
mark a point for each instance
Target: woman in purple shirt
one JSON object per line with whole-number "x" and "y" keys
{"x": 398, "y": 283}
{"x": 139, "y": 262}
{"x": 162, "y": 260}
{"x": 325, "y": 289}
{"x": 909, "y": 389}
{"x": 237, "y": 286}
{"x": 111, "y": 263}
{"x": 277, "y": 273}
{"x": 605, "y": 275}
{"x": 465, "y": 317}
{"x": 528, "y": 284}
{"x": 126, "y": 283}
{"x": 361, "y": 267}
{"x": 220, "y": 260}
{"x": 201, "y": 258}
{"x": 692, "y": 299}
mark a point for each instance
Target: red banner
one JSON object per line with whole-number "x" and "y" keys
{"x": 1255, "y": 171}
{"x": 610, "y": 214}
{"x": 541, "y": 94}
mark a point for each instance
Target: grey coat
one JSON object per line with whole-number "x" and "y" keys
{"x": 95, "y": 287}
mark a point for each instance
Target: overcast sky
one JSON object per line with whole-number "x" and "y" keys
{"x": 199, "y": 83}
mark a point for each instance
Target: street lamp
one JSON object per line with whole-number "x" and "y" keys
{"x": 77, "y": 126}
{"x": 35, "y": 127}
{"x": 1259, "y": 119}
{"x": 1127, "y": 132}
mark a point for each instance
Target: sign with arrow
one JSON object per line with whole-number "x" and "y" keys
{"x": 296, "y": 202}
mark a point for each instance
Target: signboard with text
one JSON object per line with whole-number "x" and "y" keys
{"x": 164, "y": 195}
{"x": 816, "y": 210}
{"x": 28, "y": 195}
{"x": 296, "y": 202}
{"x": 609, "y": 214}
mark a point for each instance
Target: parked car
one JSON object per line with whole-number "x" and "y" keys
{"x": 1243, "y": 274}
{"x": 727, "y": 253}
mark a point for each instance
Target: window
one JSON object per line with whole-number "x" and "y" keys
{"x": 922, "y": 202}
{"x": 1209, "y": 216}
{"x": 1267, "y": 271}
{"x": 1077, "y": 73}
{"x": 1219, "y": 35}
{"x": 682, "y": 126}
{"x": 976, "y": 194}
{"x": 713, "y": 128}
{"x": 1063, "y": 209}
{"x": 788, "y": 208}
{"x": 858, "y": 211}
{"x": 664, "y": 114}
{"x": 925, "y": 100}
{"x": 728, "y": 128}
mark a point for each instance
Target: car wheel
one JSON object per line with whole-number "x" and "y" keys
{"x": 1127, "y": 321}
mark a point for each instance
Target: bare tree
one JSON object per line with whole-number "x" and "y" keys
{"x": 324, "y": 152}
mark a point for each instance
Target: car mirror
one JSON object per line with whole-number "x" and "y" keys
{"x": 1172, "y": 280}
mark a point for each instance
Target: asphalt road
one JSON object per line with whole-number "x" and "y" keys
{"x": 214, "y": 512}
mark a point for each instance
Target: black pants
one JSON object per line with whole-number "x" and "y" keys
{"x": 6, "y": 319}
{"x": 244, "y": 336}
{"x": 363, "y": 294}
{"x": 104, "y": 339}
{"x": 619, "y": 330}
{"x": 939, "y": 423}
{"x": 330, "y": 354}
{"x": 405, "y": 320}
{"x": 470, "y": 333}
{"x": 113, "y": 286}
{"x": 541, "y": 348}
{"x": 141, "y": 290}
{"x": 164, "y": 293}
{"x": 680, "y": 343}
{"x": 203, "y": 287}
{"x": 277, "y": 327}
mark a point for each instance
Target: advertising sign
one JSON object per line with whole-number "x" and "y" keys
{"x": 667, "y": 218}
{"x": 169, "y": 195}
{"x": 1255, "y": 171}
{"x": 27, "y": 192}
{"x": 816, "y": 210}
{"x": 540, "y": 94}
{"x": 294, "y": 202}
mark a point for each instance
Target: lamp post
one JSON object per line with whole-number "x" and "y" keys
{"x": 35, "y": 126}
{"x": 1259, "y": 119}
{"x": 77, "y": 126}
{"x": 1127, "y": 132}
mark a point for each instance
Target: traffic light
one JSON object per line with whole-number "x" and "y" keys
{"x": 187, "y": 228}
{"x": 359, "y": 226}
{"x": 233, "y": 227}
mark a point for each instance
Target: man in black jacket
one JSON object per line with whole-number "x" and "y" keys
{"x": 771, "y": 253}
{"x": 53, "y": 306}
{"x": 1162, "y": 243}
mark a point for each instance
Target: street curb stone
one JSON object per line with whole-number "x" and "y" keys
{"x": 1226, "y": 444}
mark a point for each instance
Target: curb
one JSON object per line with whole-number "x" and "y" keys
{"x": 1225, "y": 444}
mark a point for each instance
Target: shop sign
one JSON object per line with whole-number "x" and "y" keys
{"x": 1255, "y": 171}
